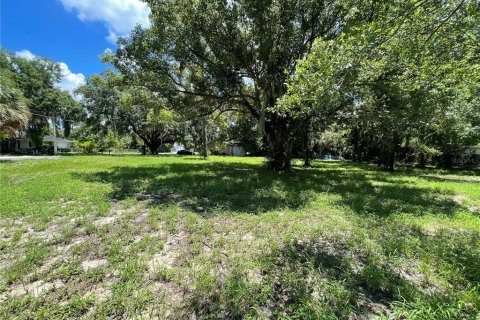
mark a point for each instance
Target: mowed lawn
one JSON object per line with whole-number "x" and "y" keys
{"x": 180, "y": 237}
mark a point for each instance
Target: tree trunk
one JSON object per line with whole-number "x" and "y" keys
{"x": 67, "y": 128}
{"x": 153, "y": 147}
{"x": 308, "y": 149}
{"x": 279, "y": 140}
{"x": 204, "y": 139}
{"x": 389, "y": 157}
{"x": 391, "y": 161}
{"x": 150, "y": 139}
{"x": 423, "y": 160}
{"x": 356, "y": 144}
{"x": 447, "y": 160}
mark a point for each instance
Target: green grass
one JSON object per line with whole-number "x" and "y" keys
{"x": 168, "y": 237}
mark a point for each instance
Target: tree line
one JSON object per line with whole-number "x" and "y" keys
{"x": 29, "y": 98}
{"x": 390, "y": 77}
{"x": 373, "y": 81}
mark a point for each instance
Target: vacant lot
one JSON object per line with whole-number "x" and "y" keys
{"x": 169, "y": 237}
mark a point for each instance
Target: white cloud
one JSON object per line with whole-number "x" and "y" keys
{"x": 69, "y": 81}
{"x": 25, "y": 54}
{"x": 120, "y": 16}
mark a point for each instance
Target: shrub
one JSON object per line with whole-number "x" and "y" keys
{"x": 111, "y": 142}
{"x": 88, "y": 146}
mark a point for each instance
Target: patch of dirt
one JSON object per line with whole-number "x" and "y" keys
{"x": 255, "y": 276}
{"x": 416, "y": 278}
{"x": 474, "y": 209}
{"x": 172, "y": 298}
{"x": 374, "y": 309}
{"x": 48, "y": 234}
{"x": 170, "y": 253}
{"x": 166, "y": 197}
{"x": 248, "y": 237}
{"x": 93, "y": 264}
{"x": 452, "y": 178}
{"x": 116, "y": 212}
{"x": 459, "y": 199}
{"x": 101, "y": 294}
{"x": 429, "y": 230}
{"x": 75, "y": 242}
{"x": 36, "y": 288}
{"x": 6, "y": 261}
{"x": 104, "y": 221}
{"x": 141, "y": 218}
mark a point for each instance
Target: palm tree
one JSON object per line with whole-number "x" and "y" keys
{"x": 14, "y": 114}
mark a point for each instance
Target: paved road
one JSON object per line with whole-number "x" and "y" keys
{"x": 16, "y": 158}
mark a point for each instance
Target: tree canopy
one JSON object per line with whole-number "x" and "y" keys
{"x": 217, "y": 55}
{"x": 395, "y": 80}
{"x": 30, "y": 96}
{"x": 375, "y": 81}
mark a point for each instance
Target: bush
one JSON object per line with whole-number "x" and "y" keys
{"x": 88, "y": 146}
{"x": 111, "y": 142}
{"x": 46, "y": 149}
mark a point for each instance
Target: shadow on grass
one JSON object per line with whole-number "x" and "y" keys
{"x": 359, "y": 283}
{"x": 450, "y": 179}
{"x": 326, "y": 278}
{"x": 250, "y": 188}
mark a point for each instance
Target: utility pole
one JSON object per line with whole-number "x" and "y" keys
{"x": 55, "y": 151}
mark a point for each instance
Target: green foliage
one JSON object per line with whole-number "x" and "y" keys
{"x": 333, "y": 140}
{"x": 36, "y": 78}
{"x": 14, "y": 114}
{"x": 165, "y": 148}
{"x": 88, "y": 146}
{"x": 149, "y": 118}
{"x": 218, "y": 56}
{"x": 397, "y": 78}
{"x": 30, "y": 85}
{"x": 244, "y": 129}
{"x": 37, "y": 129}
{"x": 100, "y": 99}
{"x": 111, "y": 142}
{"x": 84, "y": 132}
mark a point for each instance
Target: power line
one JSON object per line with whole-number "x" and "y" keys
{"x": 45, "y": 116}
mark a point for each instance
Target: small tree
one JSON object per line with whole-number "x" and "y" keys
{"x": 88, "y": 146}
{"x": 111, "y": 142}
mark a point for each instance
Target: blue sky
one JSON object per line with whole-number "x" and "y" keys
{"x": 73, "y": 32}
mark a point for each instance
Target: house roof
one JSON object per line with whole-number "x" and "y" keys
{"x": 234, "y": 143}
{"x": 48, "y": 139}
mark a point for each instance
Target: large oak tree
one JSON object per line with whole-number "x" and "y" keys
{"x": 218, "y": 54}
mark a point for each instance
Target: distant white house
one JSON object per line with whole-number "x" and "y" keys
{"x": 24, "y": 143}
{"x": 235, "y": 149}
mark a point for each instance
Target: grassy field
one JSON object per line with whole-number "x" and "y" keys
{"x": 168, "y": 237}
